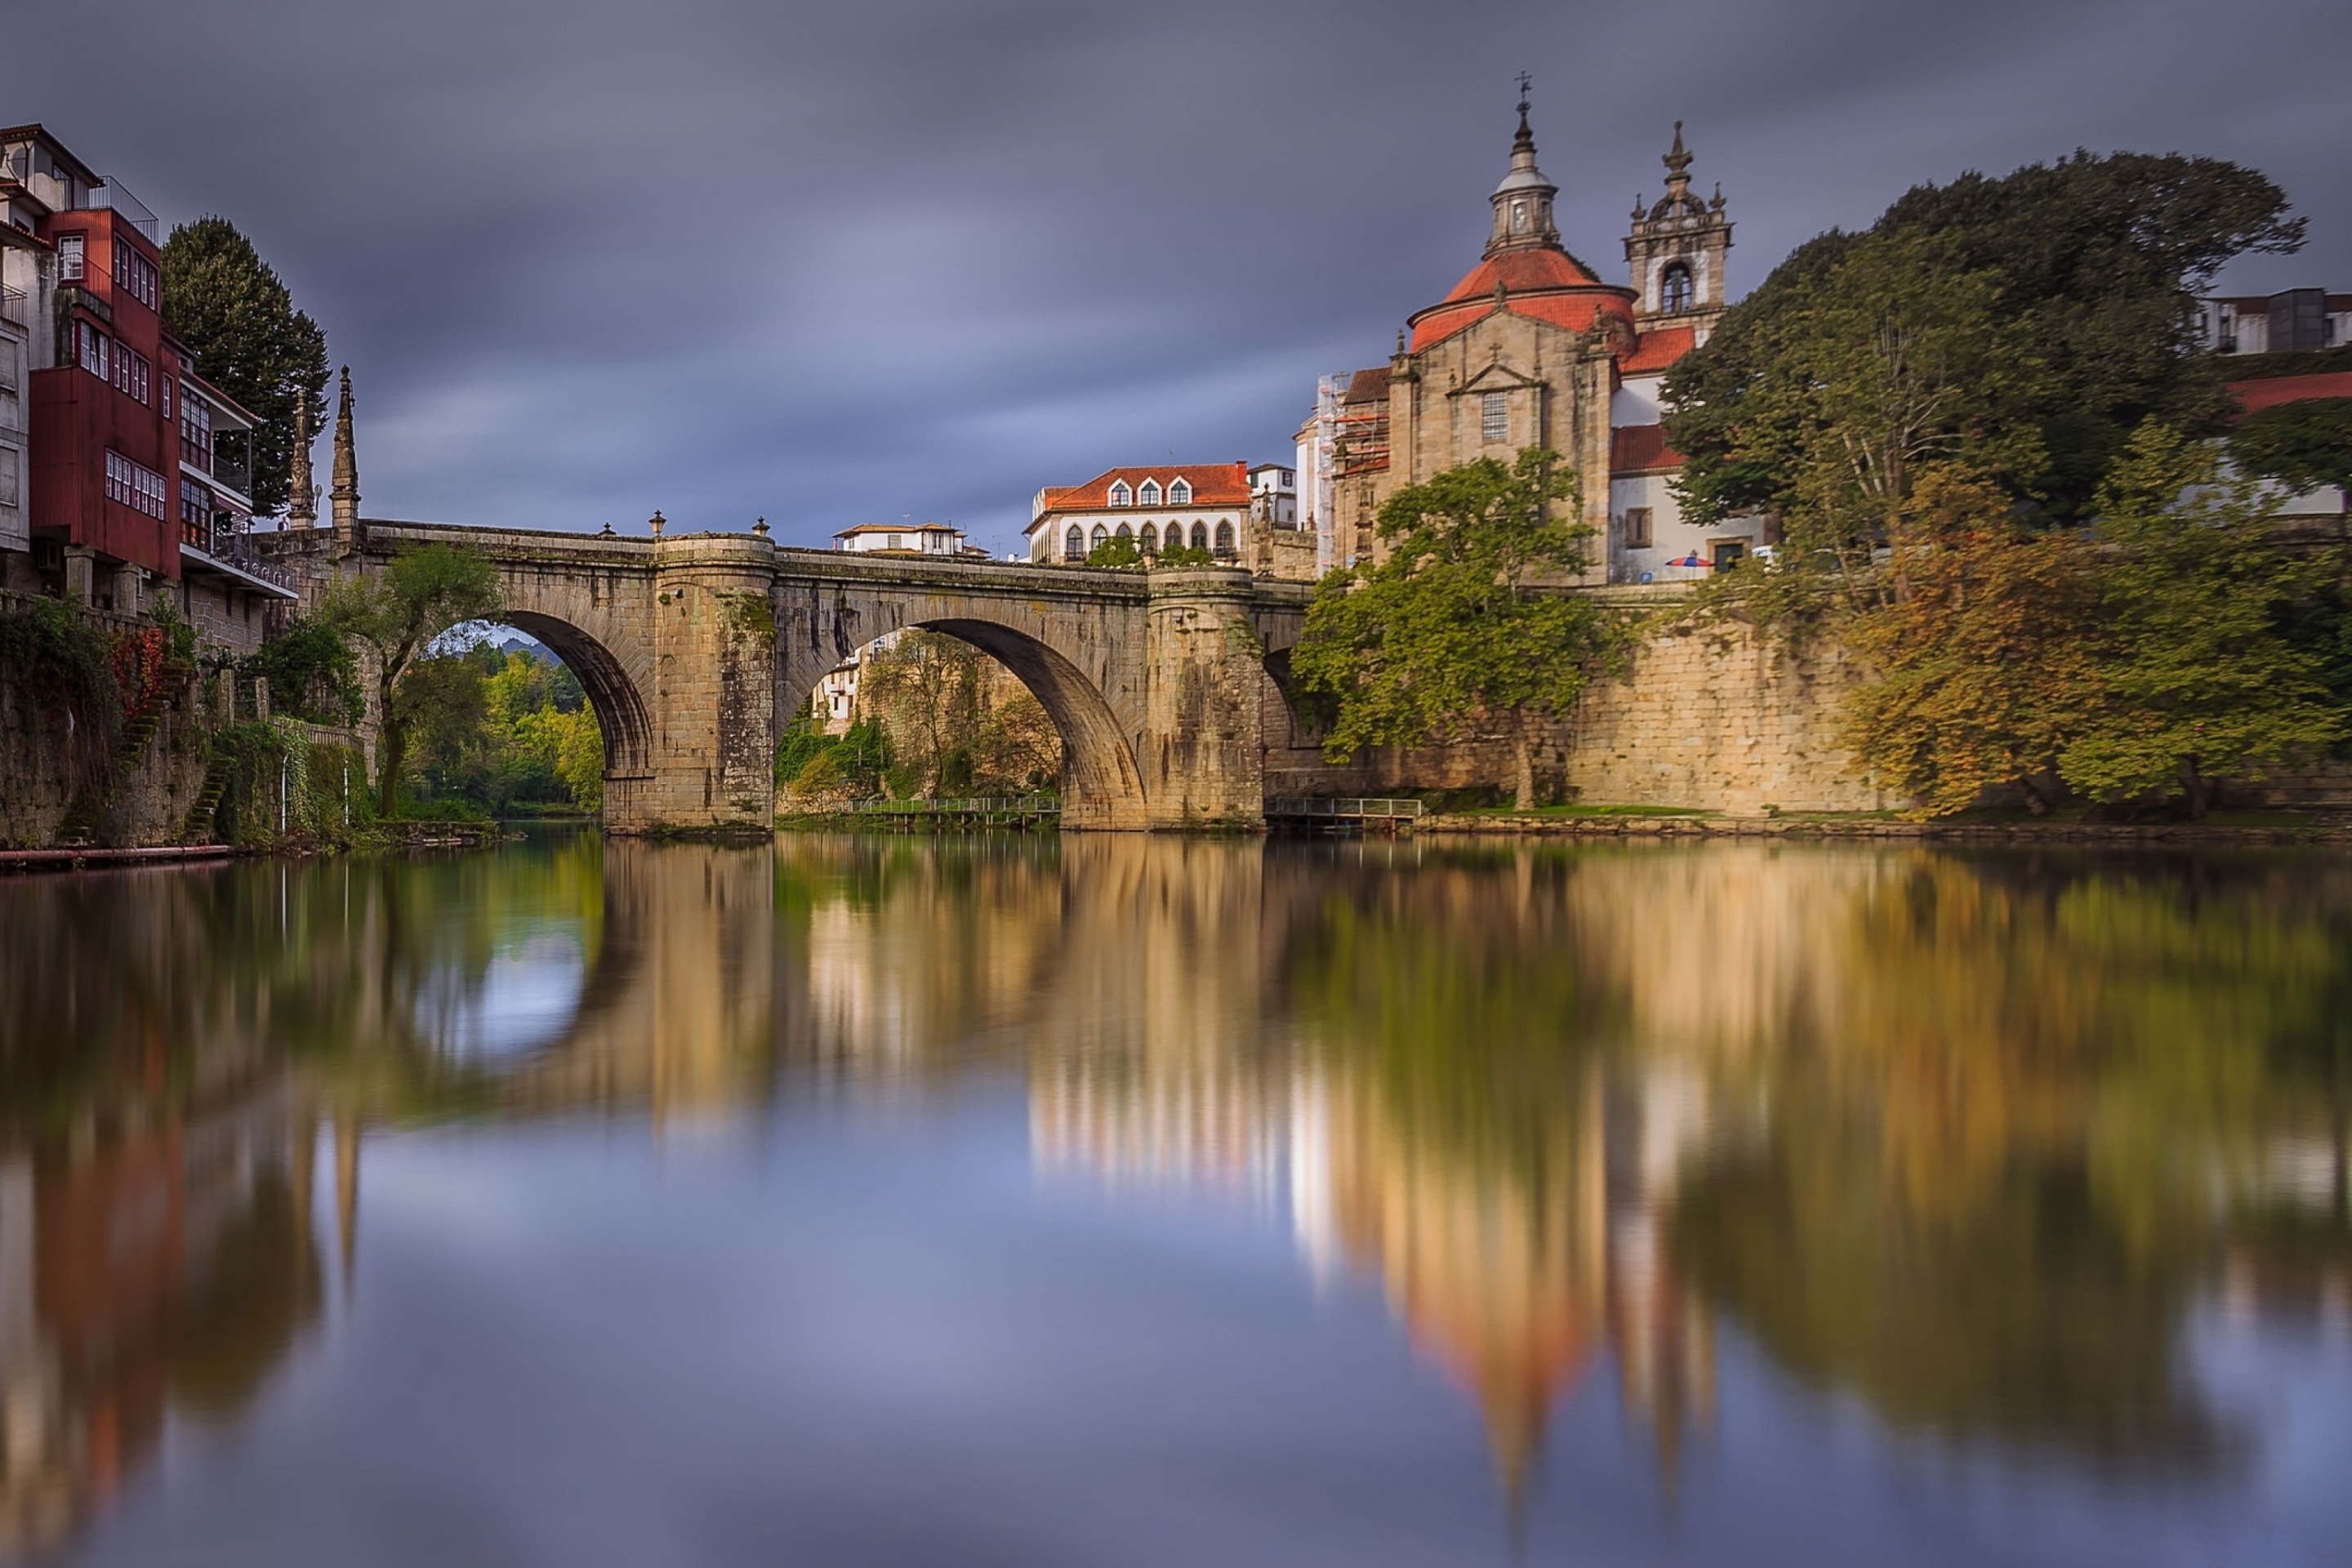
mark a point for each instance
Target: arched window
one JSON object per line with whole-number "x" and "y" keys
{"x": 1101, "y": 534}
{"x": 1519, "y": 217}
{"x": 1151, "y": 539}
{"x": 1149, "y": 494}
{"x": 1127, "y": 533}
{"x": 1073, "y": 544}
{"x": 1120, "y": 494}
{"x": 1180, "y": 493}
{"x": 1200, "y": 536}
{"x": 1675, "y": 288}
{"x": 1224, "y": 538}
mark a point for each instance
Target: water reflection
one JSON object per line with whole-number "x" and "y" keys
{"x": 1982, "y": 1143}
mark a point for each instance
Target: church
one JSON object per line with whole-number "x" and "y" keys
{"x": 1532, "y": 348}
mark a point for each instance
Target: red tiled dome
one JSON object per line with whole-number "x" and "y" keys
{"x": 1538, "y": 280}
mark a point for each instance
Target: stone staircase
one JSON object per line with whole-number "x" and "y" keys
{"x": 139, "y": 726}
{"x": 198, "y": 826}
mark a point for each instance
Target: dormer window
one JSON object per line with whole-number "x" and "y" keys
{"x": 1149, "y": 494}
{"x": 1180, "y": 493}
{"x": 1121, "y": 495}
{"x": 1674, "y": 290}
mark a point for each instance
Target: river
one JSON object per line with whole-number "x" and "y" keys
{"x": 1127, "y": 1201}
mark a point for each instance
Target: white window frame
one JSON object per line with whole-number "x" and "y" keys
{"x": 1121, "y": 495}
{"x": 1494, "y": 417}
{"x": 1179, "y": 492}
{"x": 1149, "y": 495}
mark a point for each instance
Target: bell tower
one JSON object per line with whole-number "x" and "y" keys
{"x": 1676, "y": 252}
{"x": 1523, "y": 201}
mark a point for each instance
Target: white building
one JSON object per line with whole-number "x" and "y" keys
{"x": 2292, "y": 320}
{"x": 906, "y": 538}
{"x": 1170, "y": 507}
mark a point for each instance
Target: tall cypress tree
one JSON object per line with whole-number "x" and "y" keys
{"x": 239, "y": 321}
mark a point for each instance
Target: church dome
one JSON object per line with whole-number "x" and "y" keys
{"x": 1526, "y": 270}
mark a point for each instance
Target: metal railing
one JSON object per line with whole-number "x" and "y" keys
{"x": 1352, "y": 809}
{"x": 13, "y": 308}
{"x": 977, "y": 805}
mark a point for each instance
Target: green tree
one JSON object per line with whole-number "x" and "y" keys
{"x": 2197, "y": 683}
{"x": 1462, "y": 632}
{"x": 312, "y": 671}
{"x": 2089, "y": 266}
{"x": 2303, "y": 445}
{"x": 239, "y": 322}
{"x": 1118, "y": 550}
{"x": 395, "y": 617}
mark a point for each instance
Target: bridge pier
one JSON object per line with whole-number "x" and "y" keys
{"x": 1200, "y": 746}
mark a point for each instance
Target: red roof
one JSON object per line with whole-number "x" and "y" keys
{"x": 1540, "y": 282}
{"x": 1659, "y": 347}
{"x": 2270, "y": 392}
{"x": 1640, "y": 449}
{"x": 1214, "y": 484}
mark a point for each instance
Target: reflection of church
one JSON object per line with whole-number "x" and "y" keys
{"x": 1514, "y": 1275}
{"x": 1532, "y": 348}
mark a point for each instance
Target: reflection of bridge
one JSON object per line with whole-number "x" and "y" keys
{"x": 695, "y": 649}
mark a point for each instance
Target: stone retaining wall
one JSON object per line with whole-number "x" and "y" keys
{"x": 37, "y": 781}
{"x": 1719, "y": 719}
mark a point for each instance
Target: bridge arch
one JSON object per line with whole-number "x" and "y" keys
{"x": 621, "y": 713}
{"x": 1098, "y": 772}
{"x": 1101, "y": 785}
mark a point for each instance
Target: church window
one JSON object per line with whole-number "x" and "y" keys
{"x": 1073, "y": 546}
{"x": 1127, "y": 533}
{"x": 1518, "y": 217}
{"x": 1224, "y": 538}
{"x": 1493, "y": 418}
{"x": 1200, "y": 537}
{"x": 1180, "y": 493}
{"x": 1101, "y": 534}
{"x": 1637, "y": 527}
{"x": 1150, "y": 538}
{"x": 1120, "y": 494}
{"x": 1674, "y": 288}
{"x": 1149, "y": 494}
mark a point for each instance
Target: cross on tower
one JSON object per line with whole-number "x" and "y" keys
{"x": 1525, "y": 81}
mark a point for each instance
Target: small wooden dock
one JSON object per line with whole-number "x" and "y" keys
{"x": 987, "y": 813}
{"x": 1342, "y": 815}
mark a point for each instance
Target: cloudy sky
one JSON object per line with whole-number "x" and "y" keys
{"x": 842, "y": 262}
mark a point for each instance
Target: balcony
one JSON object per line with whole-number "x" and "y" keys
{"x": 133, "y": 211}
{"x": 14, "y": 309}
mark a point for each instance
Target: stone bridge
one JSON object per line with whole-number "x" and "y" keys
{"x": 696, "y": 649}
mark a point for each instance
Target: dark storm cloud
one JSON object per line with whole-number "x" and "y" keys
{"x": 839, "y": 262}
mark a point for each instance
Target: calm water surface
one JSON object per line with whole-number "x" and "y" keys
{"x": 1160, "y": 1202}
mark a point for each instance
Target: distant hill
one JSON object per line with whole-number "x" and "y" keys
{"x": 528, "y": 648}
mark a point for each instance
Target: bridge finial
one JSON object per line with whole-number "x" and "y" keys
{"x": 761, "y": 528}
{"x": 655, "y": 522}
{"x": 345, "y": 498}
{"x": 301, "y": 493}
